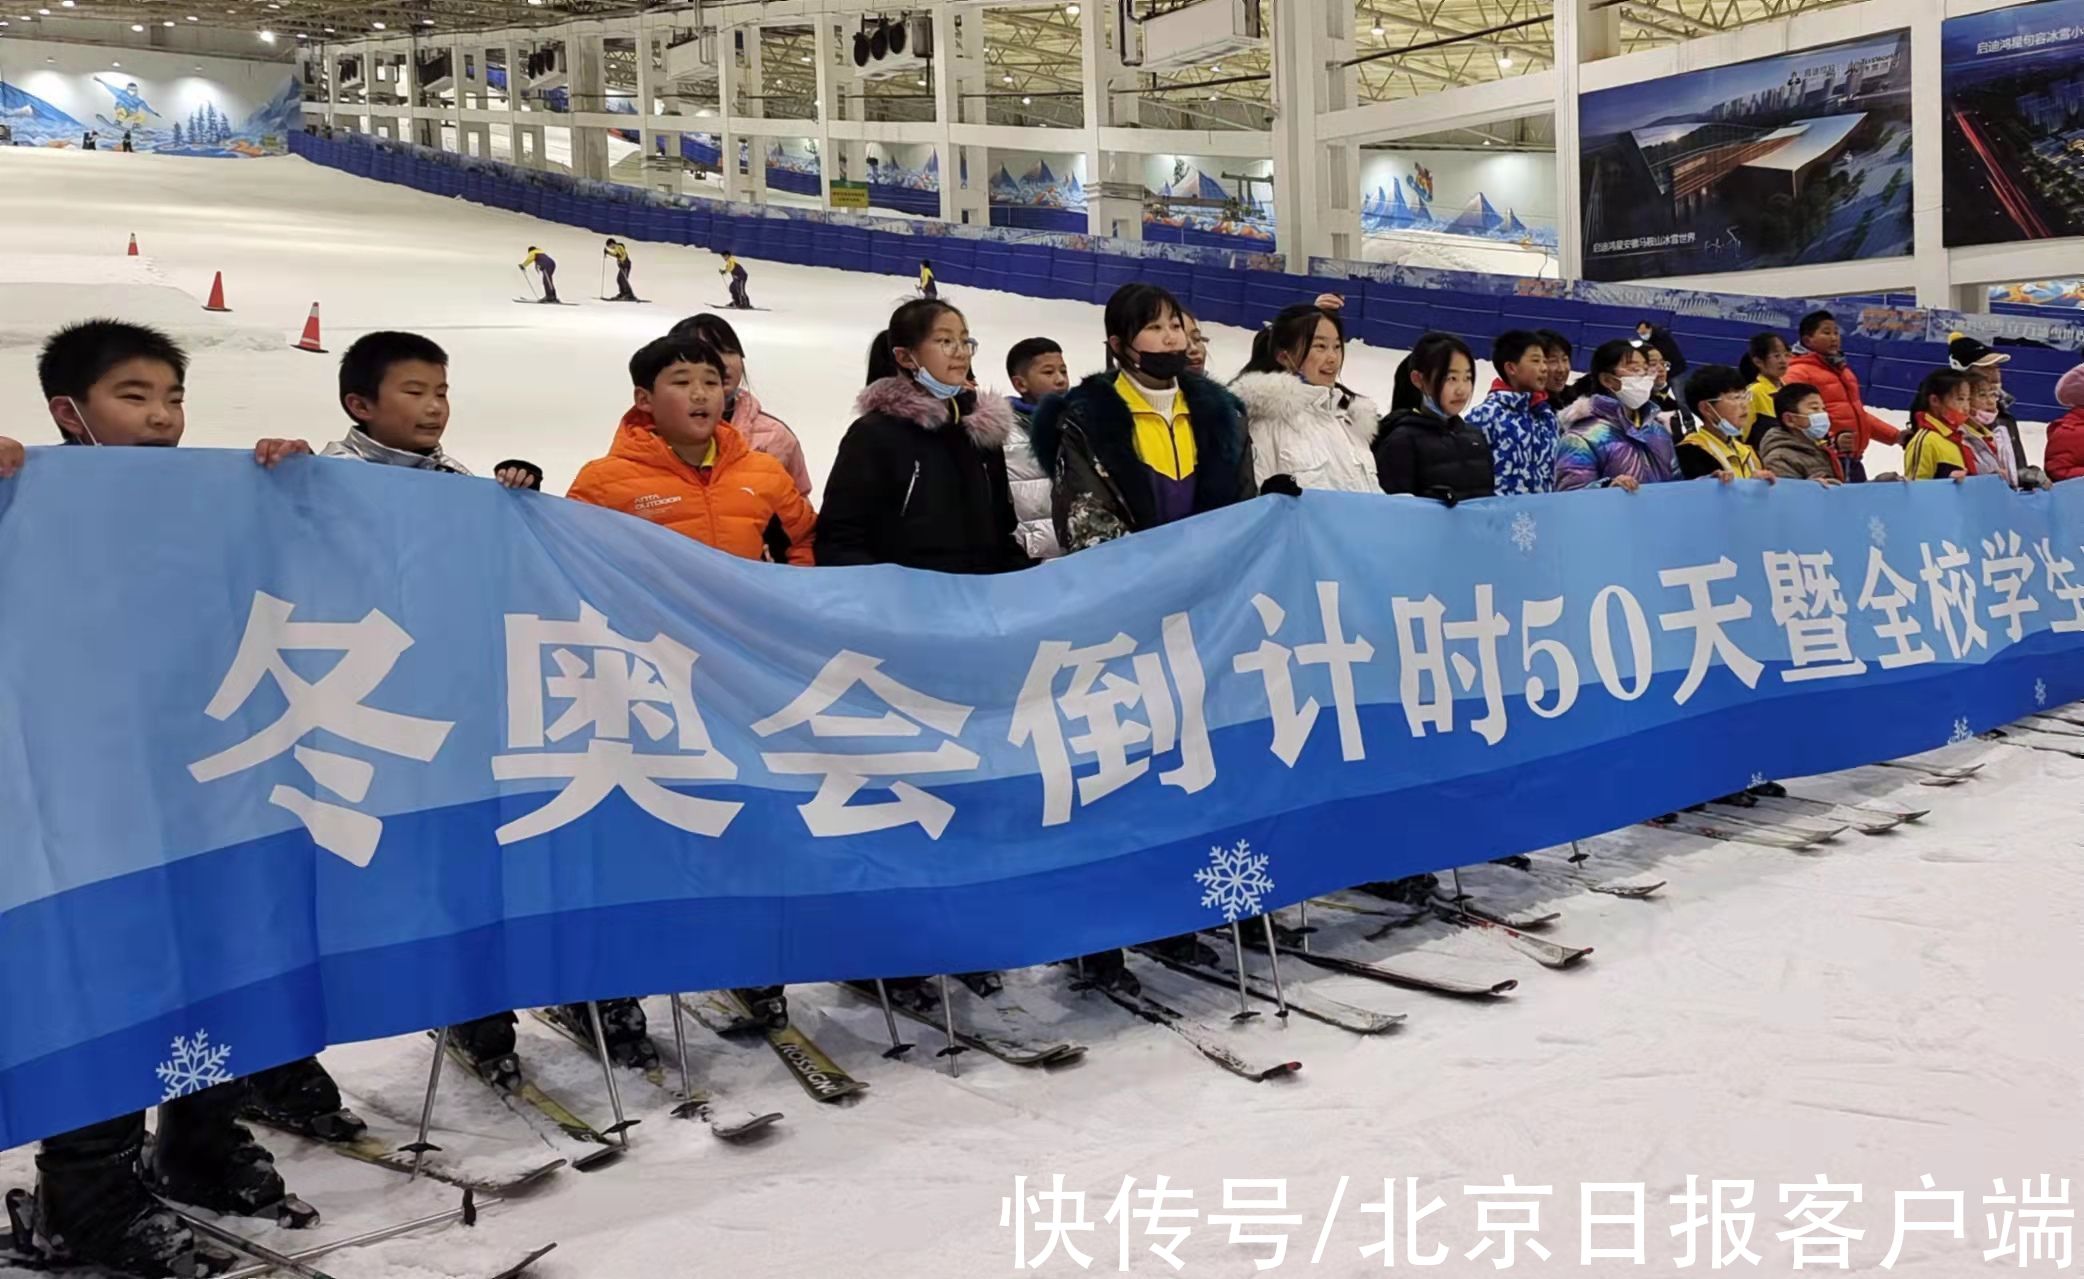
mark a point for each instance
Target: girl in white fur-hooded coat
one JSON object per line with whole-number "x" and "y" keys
{"x": 1302, "y": 422}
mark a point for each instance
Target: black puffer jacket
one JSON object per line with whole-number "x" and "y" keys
{"x": 1418, "y": 452}
{"x": 922, "y": 482}
{"x": 1085, "y": 441}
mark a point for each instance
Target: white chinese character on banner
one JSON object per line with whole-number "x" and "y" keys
{"x": 332, "y": 704}
{"x": 1632, "y": 1221}
{"x": 625, "y": 694}
{"x": 1292, "y": 723}
{"x": 1952, "y": 590}
{"x": 2006, "y": 568}
{"x": 845, "y": 773}
{"x": 1955, "y": 1224}
{"x": 1725, "y": 1220}
{"x": 1154, "y": 1216}
{"x": 1820, "y": 1240}
{"x": 2045, "y": 1221}
{"x": 1705, "y": 618}
{"x": 1810, "y": 606}
{"x": 1508, "y": 1218}
{"x": 1100, "y": 698}
{"x": 1901, "y": 628}
{"x": 1267, "y": 1193}
{"x": 2059, "y": 568}
{"x": 1386, "y": 1247}
{"x": 1022, "y": 1212}
{"x": 1423, "y": 661}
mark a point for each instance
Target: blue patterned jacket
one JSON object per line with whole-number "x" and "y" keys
{"x": 1523, "y": 440}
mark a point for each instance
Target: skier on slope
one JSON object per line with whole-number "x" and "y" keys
{"x": 98, "y": 1200}
{"x": 740, "y": 299}
{"x": 547, "y": 267}
{"x": 620, "y": 252}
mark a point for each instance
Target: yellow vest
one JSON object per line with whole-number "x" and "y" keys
{"x": 1732, "y": 455}
{"x": 1166, "y": 447}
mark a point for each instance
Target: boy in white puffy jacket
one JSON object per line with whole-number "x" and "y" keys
{"x": 1302, "y": 422}
{"x": 1037, "y": 369}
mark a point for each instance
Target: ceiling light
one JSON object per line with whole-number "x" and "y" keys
{"x": 1217, "y": 68}
{"x": 1504, "y": 59}
{"x": 426, "y": 22}
{"x": 44, "y": 12}
{"x": 378, "y": 25}
{"x": 169, "y": 22}
{"x": 193, "y": 18}
{"x": 137, "y": 26}
{"x": 922, "y": 84}
{"x": 804, "y": 58}
{"x": 67, "y": 4}
{"x": 1486, "y": 141}
{"x": 329, "y": 31}
{"x": 115, "y": 64}
{"x": 1213, "y": 96}
{"x": 1070, "y": 10}
{"x": 267, "y": 37}
{"x": 1027, "y": 102}
{"x": 1379, "y": 29}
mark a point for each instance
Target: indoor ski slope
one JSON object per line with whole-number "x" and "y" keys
{"x": 1888, "y": 1006}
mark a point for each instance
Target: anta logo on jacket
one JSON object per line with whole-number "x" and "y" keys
{"x": 741, "y": 502}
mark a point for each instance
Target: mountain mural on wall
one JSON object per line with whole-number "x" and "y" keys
{"x": 207, "y": 130}
{"x": 1200, "y": 208}
{"x": 1387, "y": 210}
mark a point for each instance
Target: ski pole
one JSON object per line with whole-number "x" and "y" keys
{"x": 1244, "y": 998}
{"x": 621, "y": 1128}
{"x": 1577, "y": 855}
{"x": 527, "y": 283}
{"x": 1304, "y": 907}
{"x": 378, "y": 1235}
{"x": 897, "y": 1047}
{"x": 241, "y": 1244}
{"x": 420, "y": 1147}
{"x": 948, "y": 1027}
{"x": 1273, "y": 956}
{"x": 603, "y": 290}
{"x": 687, "y": 1085}
{"x": 1460, "y": 897}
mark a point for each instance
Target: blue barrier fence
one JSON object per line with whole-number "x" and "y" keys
{"x": 1223, "y": 288}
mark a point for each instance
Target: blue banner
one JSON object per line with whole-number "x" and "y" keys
{"x": 301, "y": 757}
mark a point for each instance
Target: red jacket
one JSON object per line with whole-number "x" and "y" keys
{"x": 1840, "y": 388}
{"x": 2065, "y": 456}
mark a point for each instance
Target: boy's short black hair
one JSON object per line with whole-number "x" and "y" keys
{"x": 1789, "y": 398}
{"x": 1511, "y": 348}
{"x": 1712, "y": 382}
{"x": 660, "y": 354}
{"x": 364, "y": 364}
{"x": 1026, "y": 352}
{"x": 1552, "y": 342}
{"x": 77, "y": 356}
{"x": 1814, "y": 321}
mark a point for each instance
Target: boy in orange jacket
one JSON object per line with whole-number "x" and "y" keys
{"x": 677, "y": 462}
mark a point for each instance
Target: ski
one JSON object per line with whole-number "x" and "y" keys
{"x": 735, "y": 1126}
{"x": 527, "y": 1093}
{"x": 1941, "y": 776}
{"x": 1206, "y": 1040}
{"x": 808, "y": 1064}
{"x": 1547, "y": 953}
{"x": 726, "y": 306}
{"x": 1008, "y": 1043}
{"x": 1332, "y": 1012}
{"x": 1865, "y": 818}
{"x": 1479, "y": 910}
{"x": 1731, "y": 833}
{"x": 646, "y": 301}
{"x": 1823, "y": 831}
{"x": 1356, "y": 903}
{"x": 2070, "y": 746}
{"x": 2052, "y": 724}
{"x": 374, "y": 1151}
{"x": 1571, "y": 873}
{"x": 1375, "y": 970}
{"x": 541, "y": 302}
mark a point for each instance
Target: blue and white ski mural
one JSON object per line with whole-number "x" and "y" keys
{"x": 210, "y": 128}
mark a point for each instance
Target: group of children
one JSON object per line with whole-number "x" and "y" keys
{"x": 938, "y": 473}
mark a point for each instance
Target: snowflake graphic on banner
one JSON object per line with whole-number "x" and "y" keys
{"x": 1234, "y": 880}
{"x": 1523, "y": 533}
{"x": 1757, "y": 779}
{"x": 195, "y": 1064}
{"x": 2040, "y": 692}
{"x": 1877, "y": 532}
{"x": 1962, "y": 732}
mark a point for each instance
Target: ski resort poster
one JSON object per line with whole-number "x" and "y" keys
{"x": 2013, "y": 84}
{"x": 53, "y": 95}
{"x": 1785, "y": 161}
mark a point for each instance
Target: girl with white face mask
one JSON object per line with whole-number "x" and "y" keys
{"x": 1610, "y": 434}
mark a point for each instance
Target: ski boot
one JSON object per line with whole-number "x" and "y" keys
{"x": 1412, "y": 890}
{"x": 982, "y": 985}
{"x": 488, "y": 1045}
{"x": 915, "y": 993}
{"x": 1188, "y": 948}
{"x": 302, "y": 1098}
{"x": 1769, "y": 790}
{"x": 1106, "y": 970}
{"x": 92, "y": 1210}
{"x": 204, "y": 1157}
{"x": 622, "y": 1021}
{"x": 767, "y": 1005}
{"x": 1517, "y": 861}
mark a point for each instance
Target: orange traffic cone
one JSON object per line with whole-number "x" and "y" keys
{"x": 133, "y": 246}
{"x": 216, "y": 302}
{"x": 309, "y": 342}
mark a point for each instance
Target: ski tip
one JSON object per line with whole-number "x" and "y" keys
{"x": 1507, "y": 986}
{"x": 513, "y": 1271}
{"x": 598, "y": 1160}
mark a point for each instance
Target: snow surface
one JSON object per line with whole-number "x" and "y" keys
{"x": 1894, "y": 1006}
